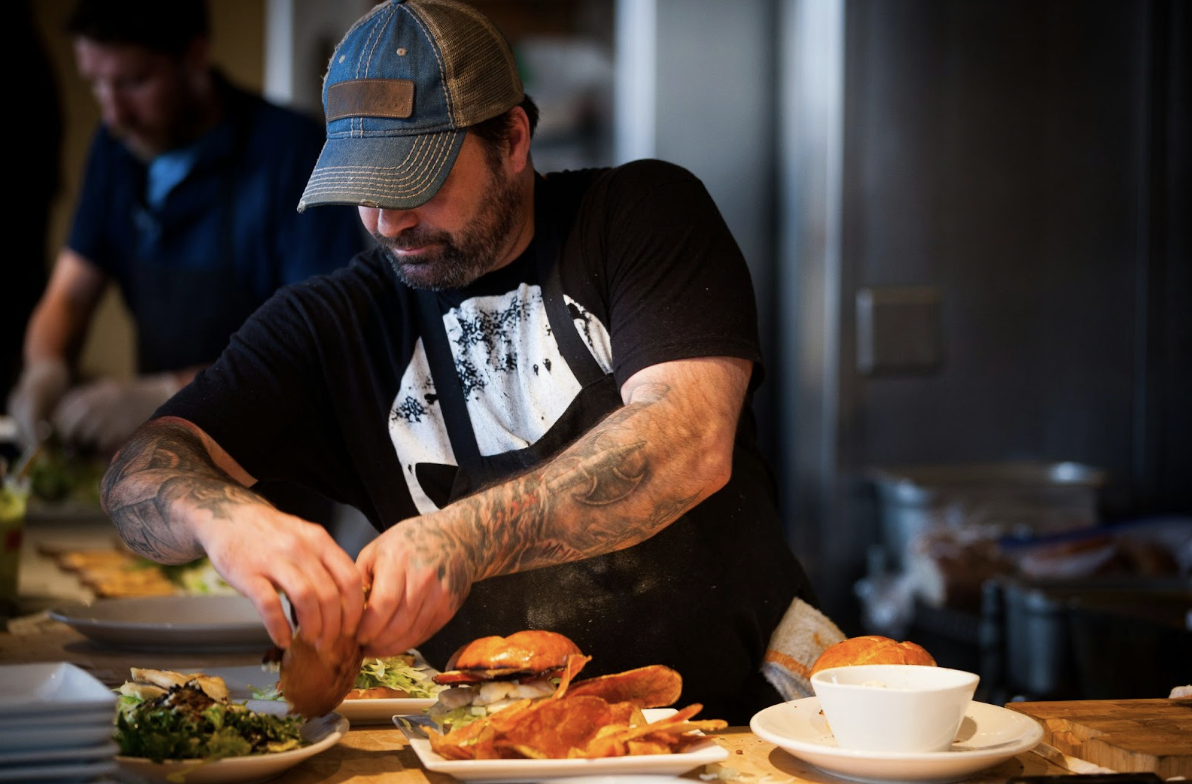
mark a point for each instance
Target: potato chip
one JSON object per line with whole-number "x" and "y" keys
{"x": 568, "y": 726}
{"x": 653, "y": 686}
{"x": 557, "y": 726}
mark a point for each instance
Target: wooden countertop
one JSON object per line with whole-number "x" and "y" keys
{"x": 377, "y": 754}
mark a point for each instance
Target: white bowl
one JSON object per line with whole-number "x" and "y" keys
{"x": 894, "y": 707}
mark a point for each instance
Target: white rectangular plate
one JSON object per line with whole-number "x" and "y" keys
{"x": 532, "y": 770}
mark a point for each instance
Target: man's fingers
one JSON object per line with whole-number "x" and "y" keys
{"x": 385, "y": 602}
{"x": 269, "y": 606}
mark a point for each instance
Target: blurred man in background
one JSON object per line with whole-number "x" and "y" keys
{"x": 187, "y": 205}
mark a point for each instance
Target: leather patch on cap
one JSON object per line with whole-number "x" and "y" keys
{"x": 371, "y": 98}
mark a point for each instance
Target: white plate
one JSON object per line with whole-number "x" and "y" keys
{"x": 988, "y": 735}
{"x": 542, "y": 770}
{"x": 53, "y": 688}
{"x": 57, "y": 720}
{"x": 381, "y": 711}
{"x": 203, "y": 622}
{"x": 323, "y": 733}
{"x": 105, "y": 750}
{"x": 85, "y": 771}
{"x": 242, "y": 680}
{"x": 65, "y": 737}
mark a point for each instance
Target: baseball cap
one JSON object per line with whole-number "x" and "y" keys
{"x": 402, "y": 87}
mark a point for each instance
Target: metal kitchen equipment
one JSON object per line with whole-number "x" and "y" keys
{"x": 1026, "y": 498}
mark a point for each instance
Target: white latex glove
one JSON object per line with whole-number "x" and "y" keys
{"x": 41, "y": 385}
{"x": 104, "y": 413}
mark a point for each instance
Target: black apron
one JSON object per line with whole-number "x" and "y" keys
{"x": 647, "y": 604}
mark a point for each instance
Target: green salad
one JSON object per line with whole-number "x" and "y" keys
{"x": 398, "y": 672}
{"x": 402, "y": 672}
{"x": 186, "y": 723}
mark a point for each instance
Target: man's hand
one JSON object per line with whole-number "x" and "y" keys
{"x": 41, "y": 385}
{"x": 104, "y": 413}
{"x": 174, "y": 494}
{"x": 419, "y": 577}
{"x": 261, "y": 551}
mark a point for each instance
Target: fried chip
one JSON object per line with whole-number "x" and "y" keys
{"x": 556, "y": 727}
{"x": 570, "y": 726}
{"x": 653, "y": 686}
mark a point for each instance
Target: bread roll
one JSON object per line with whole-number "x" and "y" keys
{"x": 314, "y": 682}
{"x": 531, "y": 651}
{"x": 871, "y": 649}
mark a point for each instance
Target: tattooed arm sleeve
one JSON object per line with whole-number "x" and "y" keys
{"x": 666, "y": 450}
{"x": 168, "y": 474}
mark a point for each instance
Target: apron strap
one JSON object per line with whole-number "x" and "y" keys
{"x": 446, "y": 378}
{"x": 550, "y": 251}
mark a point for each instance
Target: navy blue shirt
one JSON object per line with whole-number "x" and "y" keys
{"x": 224, "y": 238}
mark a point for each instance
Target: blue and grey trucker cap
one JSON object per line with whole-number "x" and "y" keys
{"x": 402, "y": 86}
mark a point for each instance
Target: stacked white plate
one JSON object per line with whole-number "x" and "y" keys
{"x": 56, "y": 723}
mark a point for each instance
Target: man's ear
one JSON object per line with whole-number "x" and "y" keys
{"x": 519, "y": 139}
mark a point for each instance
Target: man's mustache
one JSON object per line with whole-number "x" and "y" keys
{"x": 413, "y": 238}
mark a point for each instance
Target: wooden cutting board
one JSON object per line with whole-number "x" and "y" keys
{"x": 1127, "y": 736}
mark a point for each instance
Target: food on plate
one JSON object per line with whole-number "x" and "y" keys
{"x": 401, "y": 677}
{"x": 871, "y": 649}
{"x": 166, "y": 715}
{"x": 516, "y": 697}
{"x": 492, "y": 673}
{"x": 532, "y": 652}
{"x": 398, "y": 677}
{"x": 118, "y": 572}
{"x": 314, "y": 682}
{"x": 148, "y": 683}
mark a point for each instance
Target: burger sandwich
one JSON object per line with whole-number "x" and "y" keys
{"x": 492, "y": 673}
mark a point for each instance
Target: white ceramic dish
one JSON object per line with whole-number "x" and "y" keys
{"x": 199, "y": 622}
{"x": 65, "y": 737}
{"x": 55, "y": 721}
{"x": 242, "y": 680}
{"x": 323, "y": 733}
{"x": 104, "y": 750}
{"x": 79, "y": 771}
{"x": 543, "y": 770}
{"x": 894, "y": 707}
{"x": 988, "y": 735}
{"x": 52, "y": 688}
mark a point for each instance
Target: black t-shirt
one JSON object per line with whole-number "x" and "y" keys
{"x": 328, "y": 385}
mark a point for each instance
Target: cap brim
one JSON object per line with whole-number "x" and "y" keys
{"x": 390, "y": 172}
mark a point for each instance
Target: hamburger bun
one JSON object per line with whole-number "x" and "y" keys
{"x": 314, "y": 682}
{"x": 871, "y": 649}
{"x": 532, "y": 652}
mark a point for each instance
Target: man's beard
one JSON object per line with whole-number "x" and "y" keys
{"x": 458, "y": 259}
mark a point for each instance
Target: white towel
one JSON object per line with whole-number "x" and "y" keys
{"x": 798, "y": 641}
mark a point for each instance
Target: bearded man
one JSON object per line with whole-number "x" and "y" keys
{"x": 537, "y": 388}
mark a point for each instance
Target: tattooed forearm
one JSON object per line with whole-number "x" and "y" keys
{"x": 161, "y": 474}
{"x": 611, "y": 489}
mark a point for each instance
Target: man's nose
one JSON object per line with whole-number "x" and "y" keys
{"x": 391, "y": 223}
{"x": 112, "y": 109}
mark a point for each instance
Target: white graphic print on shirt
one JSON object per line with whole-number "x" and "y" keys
{"x": 516, "y": 382}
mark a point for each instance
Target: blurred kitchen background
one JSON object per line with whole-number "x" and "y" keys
{"x": 968, "y": 225}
